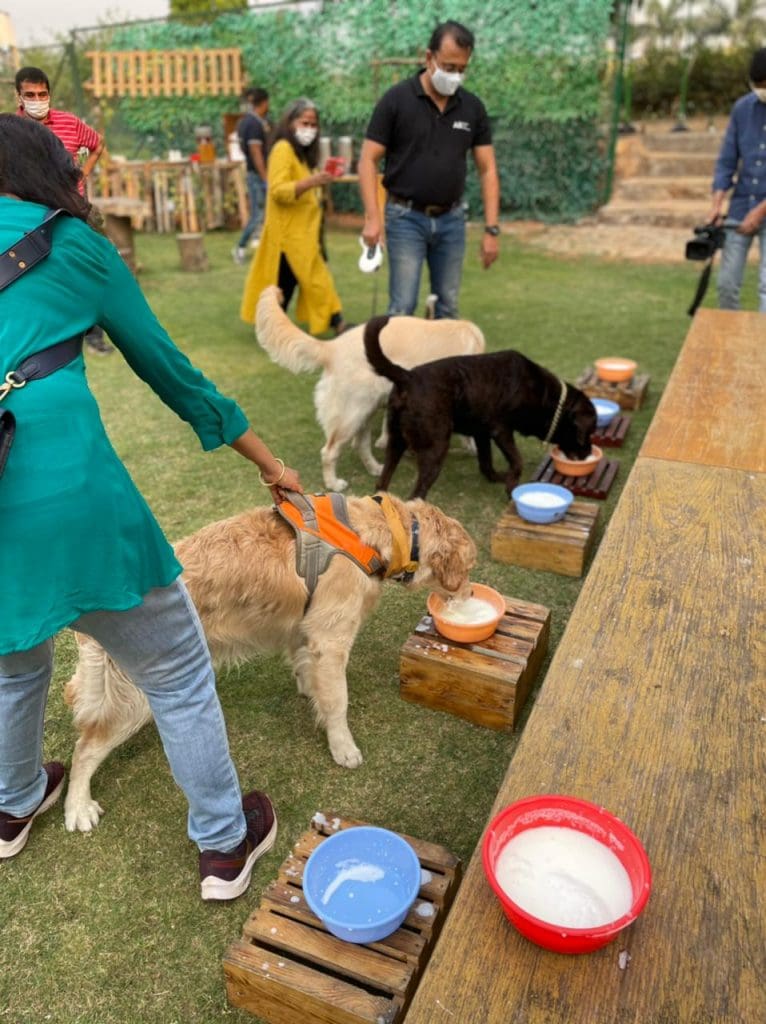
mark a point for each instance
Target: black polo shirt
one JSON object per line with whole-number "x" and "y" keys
{"x": 425, "y": 147}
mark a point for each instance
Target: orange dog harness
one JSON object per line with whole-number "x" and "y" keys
{"x": 322, "y": 529}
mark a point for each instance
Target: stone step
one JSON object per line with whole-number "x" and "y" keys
{"x": 675, "y": 213}
{"x": 657, "y": 189}
{"x": 681, "y": 165}
{"x": 683, "y": 142}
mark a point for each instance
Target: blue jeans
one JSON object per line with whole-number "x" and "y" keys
{"x": 412, "y": 238}
{"x": 732, "y": 269}
{"x": 256, "y": 191}
{"x": 162, "y": 647}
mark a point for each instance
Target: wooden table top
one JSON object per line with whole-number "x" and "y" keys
{"x": 712, "y": 410}
{"x": 654, "y": 707}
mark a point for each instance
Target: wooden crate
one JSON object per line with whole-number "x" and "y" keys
{"x": 561, "y": 547}
{"x": 486, "y": 683}
{"x": 628, "y": 394}
{"x": 594, "y": 485}
{"x": 613, "y": 434}
{"x": 288, "y": 969}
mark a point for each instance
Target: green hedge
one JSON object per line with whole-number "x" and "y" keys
{"x": 538, "y": 67}
{"x": 717, "y": 79}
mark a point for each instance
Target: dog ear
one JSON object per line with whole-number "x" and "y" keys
{"x": 452, "y": 552}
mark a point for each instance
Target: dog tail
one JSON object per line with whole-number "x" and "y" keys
{"x": 377, "y": 359}
{"x": 286, "y": 344}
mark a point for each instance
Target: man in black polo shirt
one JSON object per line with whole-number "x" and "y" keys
{"x": 253, "y": 131}
{"x": 424, "y": 128}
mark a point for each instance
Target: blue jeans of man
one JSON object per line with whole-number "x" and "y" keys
{"x": 412, "y": 238}
{"x": 256, "y": 191}
{"x": 732, "y": 268}
{"x": 162, "y": 647}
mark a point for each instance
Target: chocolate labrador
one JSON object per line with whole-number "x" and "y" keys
{"x": 487, "y": 397}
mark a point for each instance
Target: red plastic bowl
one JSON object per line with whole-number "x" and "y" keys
{"x": 567, "y": 812}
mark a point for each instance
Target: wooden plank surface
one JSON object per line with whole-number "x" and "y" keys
{"x": 655, "y": 707}
{"x": 712, "y": 410}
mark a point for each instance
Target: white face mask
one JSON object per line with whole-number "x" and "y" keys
{"x": 305, "y": 136}
{"x": 760, "y": 93}
{"x": 446, "y": 83}
{"x": 38, "y": 109}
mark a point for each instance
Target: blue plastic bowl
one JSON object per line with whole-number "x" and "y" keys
{"x": 605, "y": 411}
{"x": 523, "y": 497}
{"x": 361, "y": 882}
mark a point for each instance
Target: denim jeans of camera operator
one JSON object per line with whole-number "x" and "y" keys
{"x": 413, "y": 238}
{"x": 732, "y": 269}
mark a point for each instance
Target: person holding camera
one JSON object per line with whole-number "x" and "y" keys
{"x": 742, "y": 163}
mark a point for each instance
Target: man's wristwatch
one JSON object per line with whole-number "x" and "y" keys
{"x": 492, "y": 229}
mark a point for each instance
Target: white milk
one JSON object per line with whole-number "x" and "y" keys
{"x": 355, "y": 872}
{"x": 564, "y": 877}
{"x": 541, "y": 499}
{"x": 470, "y": 612}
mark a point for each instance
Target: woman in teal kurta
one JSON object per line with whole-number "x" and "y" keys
{"x": 78, "y": 544}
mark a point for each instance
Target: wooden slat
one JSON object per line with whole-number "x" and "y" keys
{"x": 711, "y": 411}
{"x": 288, "y": 969}
{"x": 613, "y": 434}
{"x": 595, "y": 485}
{"x": 653, "y": 707}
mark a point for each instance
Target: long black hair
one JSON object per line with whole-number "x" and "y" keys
{"x": 308, "y": 154}
{"x": 35, "y": 166}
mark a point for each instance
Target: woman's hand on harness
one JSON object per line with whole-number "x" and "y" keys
{"x": 289, "y": 481}
{"x": 273, "y": 473}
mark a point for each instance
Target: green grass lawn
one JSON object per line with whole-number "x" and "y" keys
{"x": 108, "y": 928}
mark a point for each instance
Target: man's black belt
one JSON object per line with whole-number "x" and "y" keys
{"x": 429, "y": 210}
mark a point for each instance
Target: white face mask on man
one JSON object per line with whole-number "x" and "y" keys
{"x": 305, "y": 136}
{"x": 759, "y": 92}
{"x": 446, "y": 83}
{"x": 38, "y": 109}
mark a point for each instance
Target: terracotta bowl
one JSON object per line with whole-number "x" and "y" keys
{"x": 465, "y": 633}
{"x": 576, "y": 467}
{"x": 615, "y": 369}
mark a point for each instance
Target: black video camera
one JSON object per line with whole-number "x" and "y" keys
{"x": 707, "y": 240}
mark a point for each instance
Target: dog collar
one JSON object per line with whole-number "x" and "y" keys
{"x": 405, "y": 555}
{"x": 557, "y": 414}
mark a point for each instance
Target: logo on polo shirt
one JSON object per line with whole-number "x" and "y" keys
{"x": 461, "y": 126}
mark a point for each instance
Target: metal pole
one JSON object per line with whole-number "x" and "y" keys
{"x": 71, "y": 48}
{"x": 622, "y": 42}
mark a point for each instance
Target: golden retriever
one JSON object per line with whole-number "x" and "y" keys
{"x": 348, "y": 391}
{"x": 242, "y": 578}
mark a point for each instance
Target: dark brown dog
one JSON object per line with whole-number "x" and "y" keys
{"x": 486, "y": 397}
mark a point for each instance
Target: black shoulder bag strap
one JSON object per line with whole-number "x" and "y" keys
{"x": 28, "y": 251}
{"x": 14, "y": 262}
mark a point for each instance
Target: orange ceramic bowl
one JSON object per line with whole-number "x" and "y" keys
{"x": 615, "y": 369}
{"x": 576, "y": 467}
{"x": 462, "y": 632}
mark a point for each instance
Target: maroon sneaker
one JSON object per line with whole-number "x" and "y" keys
{"x": 226, "y": 875}
{"x": 14, "y": 832}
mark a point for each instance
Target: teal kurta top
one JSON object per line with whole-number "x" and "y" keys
{"x": 75, "y": 534}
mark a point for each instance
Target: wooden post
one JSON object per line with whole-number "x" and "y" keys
{"x": 192, "y": 249}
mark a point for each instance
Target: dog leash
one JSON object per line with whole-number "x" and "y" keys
{"x": 557, "y": 414}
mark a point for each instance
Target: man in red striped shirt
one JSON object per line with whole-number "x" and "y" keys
{"x": 34, "y": 96}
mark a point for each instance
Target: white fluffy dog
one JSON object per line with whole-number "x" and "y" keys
{"x": 242, "y": 578}
{"x": 349, "y": 391}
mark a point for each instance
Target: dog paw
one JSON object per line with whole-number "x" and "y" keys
{"x": 82, "y": 817}
{"x": 337, "y": 485}
{"x": 375, "y": 468}
{"x": 348, "y": 757}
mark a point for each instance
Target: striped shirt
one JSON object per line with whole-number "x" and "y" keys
{"x": 74, "y": 133}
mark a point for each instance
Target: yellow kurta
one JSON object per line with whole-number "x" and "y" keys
{"x": 291, "y": 226}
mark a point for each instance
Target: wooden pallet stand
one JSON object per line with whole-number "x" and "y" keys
{"x": 595, "y": 485}
{"x": 488, "y": 682}
{"x": 287, "y": 969}
{"x": 561, "y": 547}
{"x": 613, "y": 434}
{"x": 629, "y": 394}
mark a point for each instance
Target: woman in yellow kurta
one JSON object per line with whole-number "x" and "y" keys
{"x": 289, "y": 253}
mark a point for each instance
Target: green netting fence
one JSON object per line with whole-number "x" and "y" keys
{"x": 542, "y": 68}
